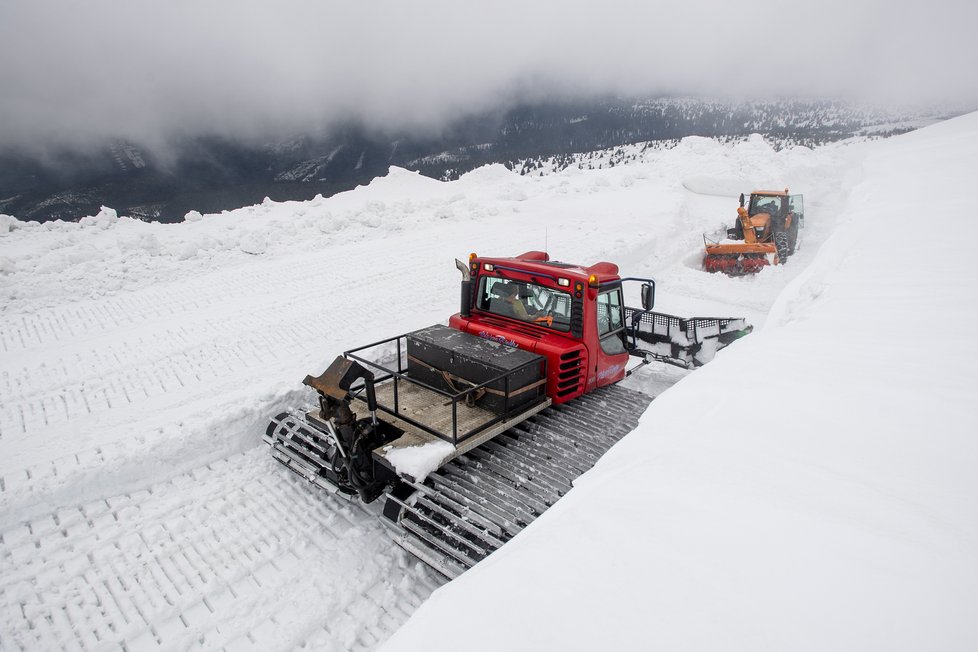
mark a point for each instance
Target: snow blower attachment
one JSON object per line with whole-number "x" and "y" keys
{"x": 765, "y": 233}
{"x": 469, "y": 432}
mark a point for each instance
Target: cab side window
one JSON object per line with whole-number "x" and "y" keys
{"x": 611, "y": 321}
{"x": 797, "y": 206}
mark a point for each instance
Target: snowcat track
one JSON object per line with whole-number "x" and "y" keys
{"x": 300, "y": 447}
{"x": 470, "y": 507}
{"x": 477, "y": 502}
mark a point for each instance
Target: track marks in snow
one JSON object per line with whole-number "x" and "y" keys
{"x": 236, "y": 555}
{"x": 278, "y": 284}
{"x": 105, "y": 379}
{"x": 108, "y": 369}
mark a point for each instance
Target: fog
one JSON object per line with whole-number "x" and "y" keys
{"x": 75, "y": 72}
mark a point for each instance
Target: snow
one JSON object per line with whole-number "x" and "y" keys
{"x": 419, "y": 461}
{"x": 809, "y": 487}
{"x": 725, "y": 188}
{"x": 812, "y": 488}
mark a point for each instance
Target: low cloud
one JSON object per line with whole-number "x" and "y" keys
{"x": 73, "y": 73}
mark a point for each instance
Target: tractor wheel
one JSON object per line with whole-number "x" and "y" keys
{"x": 781, "y": 243}
{"x": 792, "y": 237}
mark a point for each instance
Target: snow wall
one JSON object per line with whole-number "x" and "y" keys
{"x": 813, "y": 488}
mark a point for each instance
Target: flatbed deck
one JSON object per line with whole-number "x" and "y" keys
{"x": 435, "y": 411}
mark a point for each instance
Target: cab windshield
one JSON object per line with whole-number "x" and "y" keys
{"x": 769, "y": 204}
{"x": 525, "y": 301}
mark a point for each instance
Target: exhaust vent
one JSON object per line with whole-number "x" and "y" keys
{"x": 571, "y": 371}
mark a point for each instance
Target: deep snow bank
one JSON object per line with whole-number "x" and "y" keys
{"x": 812, "y": 488}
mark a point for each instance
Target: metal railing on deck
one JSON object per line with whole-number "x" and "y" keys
{"x": 399, "y": 375}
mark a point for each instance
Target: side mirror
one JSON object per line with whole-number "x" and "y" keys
{"x": 648, "y": 296}
{"x": 741, "y": 200}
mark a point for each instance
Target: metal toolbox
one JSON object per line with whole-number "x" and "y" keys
{"x": 453, "y": 361}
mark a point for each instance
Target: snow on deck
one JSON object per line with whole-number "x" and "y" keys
{"x": 813, "y": 488}
{"x": 419, "y": 461}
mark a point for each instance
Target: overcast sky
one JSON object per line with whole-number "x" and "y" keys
{"x": 74, "y": 71}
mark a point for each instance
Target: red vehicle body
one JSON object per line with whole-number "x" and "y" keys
{"x": 437, "y": 385}
{"x": 582, "y": 337}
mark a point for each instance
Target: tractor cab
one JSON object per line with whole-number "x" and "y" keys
{"x": 761, "y": 216}
{"x": 764, "y": 202}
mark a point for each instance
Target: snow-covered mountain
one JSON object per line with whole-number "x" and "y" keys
{"x": 808, "y": 488}
{"x": 210, "y": 174}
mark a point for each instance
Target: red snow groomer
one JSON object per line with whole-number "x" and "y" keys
{"x": 468, "y": 432}
{"x": 765, "y": 233}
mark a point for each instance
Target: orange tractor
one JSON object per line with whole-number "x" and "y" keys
{"x": 765, "y": 233}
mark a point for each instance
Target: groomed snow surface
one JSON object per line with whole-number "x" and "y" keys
{"x": 811, "y": 488}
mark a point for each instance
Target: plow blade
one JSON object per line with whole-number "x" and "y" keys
{"x": 684, "y": 342}
{"x": 736, "y": 264}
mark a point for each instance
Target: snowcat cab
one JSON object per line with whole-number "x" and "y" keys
{"x": 435, "y": 420}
